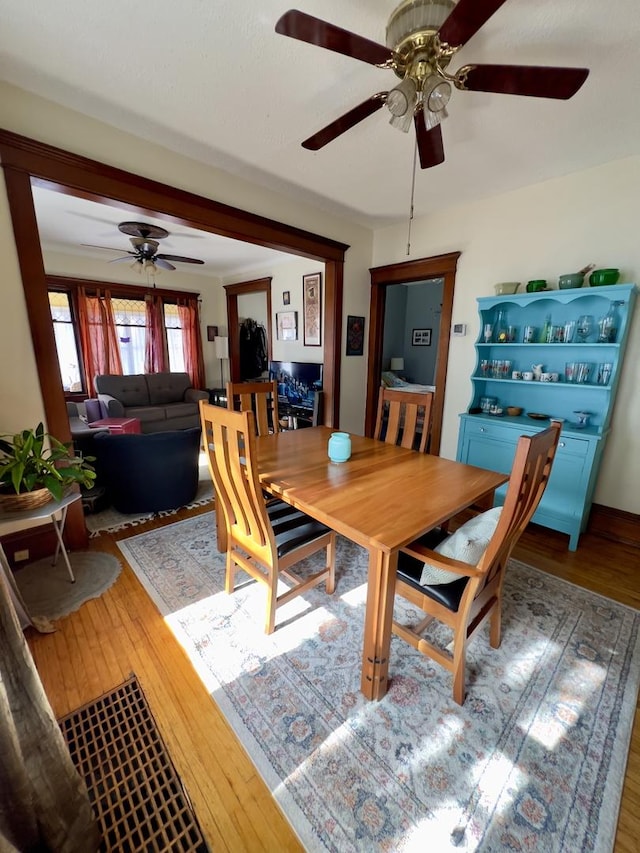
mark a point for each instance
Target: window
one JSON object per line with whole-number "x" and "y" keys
{"x": 66, "y": 343}
{"x": 174, "y": 338}
{"x": 131, "y": 331}
{"x": 130, "y": 316}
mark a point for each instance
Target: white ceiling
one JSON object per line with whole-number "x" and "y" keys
{"x": 76, "y": 226}
{"x": 214, "y": 81}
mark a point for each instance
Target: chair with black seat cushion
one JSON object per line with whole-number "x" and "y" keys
{"x": 459, "y": 582}
{"x": 404, "y": 418}
{"x": 265, "y": 540}
{"x": 150, "y": 473}
{"x": 261, "y": 398}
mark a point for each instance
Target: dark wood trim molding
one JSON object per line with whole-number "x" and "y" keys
{"x": 616, "y": 524}
{"x": 27, "y": 160}
{"x": 259, "y": 285}
{"x": 438, "y": 266}
{"x": 117, "y": 289}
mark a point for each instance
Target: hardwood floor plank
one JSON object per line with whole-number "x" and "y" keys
{"x": 96, "y": 648}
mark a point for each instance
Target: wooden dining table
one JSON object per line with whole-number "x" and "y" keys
{"x": 382, "y": 498}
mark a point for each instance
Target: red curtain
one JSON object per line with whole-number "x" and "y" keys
{"x": 98, "y": 337}
{"x": 191, "y": 340}
{"x": 156, "y": 358}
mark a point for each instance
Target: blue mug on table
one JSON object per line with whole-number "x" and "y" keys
{"x": 339, "y": 447}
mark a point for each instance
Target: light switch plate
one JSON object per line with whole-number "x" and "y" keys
{"x": 460, "y": 329}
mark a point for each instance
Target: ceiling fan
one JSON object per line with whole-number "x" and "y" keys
{"x": 144, "y": 240}
{"x": 422, "y": 36}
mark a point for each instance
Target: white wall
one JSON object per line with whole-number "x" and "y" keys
{"x": 541, "y": 232}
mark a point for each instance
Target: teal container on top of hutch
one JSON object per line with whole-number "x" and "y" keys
{"x": 555, "y": 354}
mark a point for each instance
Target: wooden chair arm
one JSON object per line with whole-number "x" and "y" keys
{"x": 426, "y": 555}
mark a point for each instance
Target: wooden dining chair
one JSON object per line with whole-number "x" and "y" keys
{"x": 460, "y": 582}
{"x": 265, "y": 540}
{"x": 261, "y": 398}
{"x": 404, "y": 418}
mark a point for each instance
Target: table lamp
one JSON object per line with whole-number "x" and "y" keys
{"x": 222, "y": 351}
{"x": 397, "y": 364}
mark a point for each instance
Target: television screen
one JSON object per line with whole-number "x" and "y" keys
{"x": 297, "y": 382}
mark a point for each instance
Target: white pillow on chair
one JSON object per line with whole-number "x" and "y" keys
{"x": 467, "y": 544}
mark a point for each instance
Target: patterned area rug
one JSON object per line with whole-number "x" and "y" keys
{"x": 534, "y": 760}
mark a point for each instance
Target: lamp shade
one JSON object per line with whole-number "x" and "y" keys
{"x": 397, "y": 364}
{"x": 222, "y": 347}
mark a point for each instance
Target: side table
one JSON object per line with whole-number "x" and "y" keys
{"x": 118, "y": 426}
{"x": 52, "y": 510}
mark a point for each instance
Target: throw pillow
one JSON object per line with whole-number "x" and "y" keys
{"x": 467, "y": 544}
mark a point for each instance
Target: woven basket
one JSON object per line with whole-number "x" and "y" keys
{"x": 24, "y": 501}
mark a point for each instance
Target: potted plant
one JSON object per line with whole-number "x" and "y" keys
{"x": 35, "y": 467}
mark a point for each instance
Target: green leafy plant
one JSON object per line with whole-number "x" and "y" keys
{"x": 33, "y": 459}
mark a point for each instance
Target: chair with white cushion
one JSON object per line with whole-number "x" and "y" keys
{"x": 459, "y": 582}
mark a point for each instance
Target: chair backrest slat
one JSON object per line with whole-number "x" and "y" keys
{"x": 261, "y": 398}
{"x": 404, "y": 413}
{"x": 529, "y": 476}
{"x": 231, "y": 438}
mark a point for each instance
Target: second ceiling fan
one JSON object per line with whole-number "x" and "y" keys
{"x": 422, "y": 37}
{"x": 144, "y": 241}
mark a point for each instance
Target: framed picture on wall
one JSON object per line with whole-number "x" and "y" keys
{"x": 421, "y": 338}
{"x": 287, "y": 325}
{"x": 355, "y": 335}
{"x": 286, "y": 297}
{"x": 312, "y": 309}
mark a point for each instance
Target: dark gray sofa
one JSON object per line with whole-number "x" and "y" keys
{"x": 161, "y": 401}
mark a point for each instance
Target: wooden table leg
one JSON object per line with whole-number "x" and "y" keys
{"x": 377, "y": 628}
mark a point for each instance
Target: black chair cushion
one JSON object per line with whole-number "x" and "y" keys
{"x": 447, "y": 594}
{"x": 292, "y": 528}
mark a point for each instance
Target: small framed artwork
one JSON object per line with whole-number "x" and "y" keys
{"x": 212, "y": 333}
{"x": 286, "y": 297}
{"x": 355, "y": 335}
{"x": 312, "y": 309}
{"x": 421, "y": 338}
{"x": 287, "y": 325}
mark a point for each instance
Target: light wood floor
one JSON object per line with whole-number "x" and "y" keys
{"x": 98, "y": 647}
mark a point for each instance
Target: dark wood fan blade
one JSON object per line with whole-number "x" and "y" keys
{"x": 344, "y": 123}
{"x": 178, "y": 258}
{"x": 430, "y": 146}
{"x": 165, "y": 265}
{"x": 531, "y": 80}
{"x": 303, "y": 27}
{"x": 106, "y": 248}
{"x": 466, "y": 19}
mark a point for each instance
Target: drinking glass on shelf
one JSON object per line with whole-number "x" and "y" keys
{"x": 488, "y": 332}
{"x": 584, "y": 327}
{"x": 484, "y": 367}
{"x": 604, "y": 373}
{"x": 569, "y": 331}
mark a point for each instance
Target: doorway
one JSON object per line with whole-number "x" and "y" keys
{"x": 26, "y": 161}
{"x": 438, "y": 267}
{"x": 235, "y": 292}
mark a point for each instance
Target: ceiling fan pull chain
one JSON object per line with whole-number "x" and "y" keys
{"x": 413, "y": 190}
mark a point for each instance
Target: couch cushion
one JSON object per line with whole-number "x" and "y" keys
{"x": 129, "y": 390}
{"x": 180, "y": 410}
{"x": 167, "y": 387}
{"x": 146, "y": 413}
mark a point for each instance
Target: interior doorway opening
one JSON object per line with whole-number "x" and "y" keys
{"x": 435, "y": 269}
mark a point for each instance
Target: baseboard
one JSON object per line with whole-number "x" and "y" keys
{"x": 616, "y": 524}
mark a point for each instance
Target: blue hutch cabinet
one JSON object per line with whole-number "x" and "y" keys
{"x": 579, "y": 363}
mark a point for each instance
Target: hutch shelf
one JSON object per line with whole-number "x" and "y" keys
{"x": 579, "y": 359}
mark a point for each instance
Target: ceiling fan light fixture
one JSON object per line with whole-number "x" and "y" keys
{"x": 403, "y": 122}
{"x": 415, "y": 16}
{"x": 402, "y": 98}
{"x": 436, "y": 93}
{"x": 432, "y": 119}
